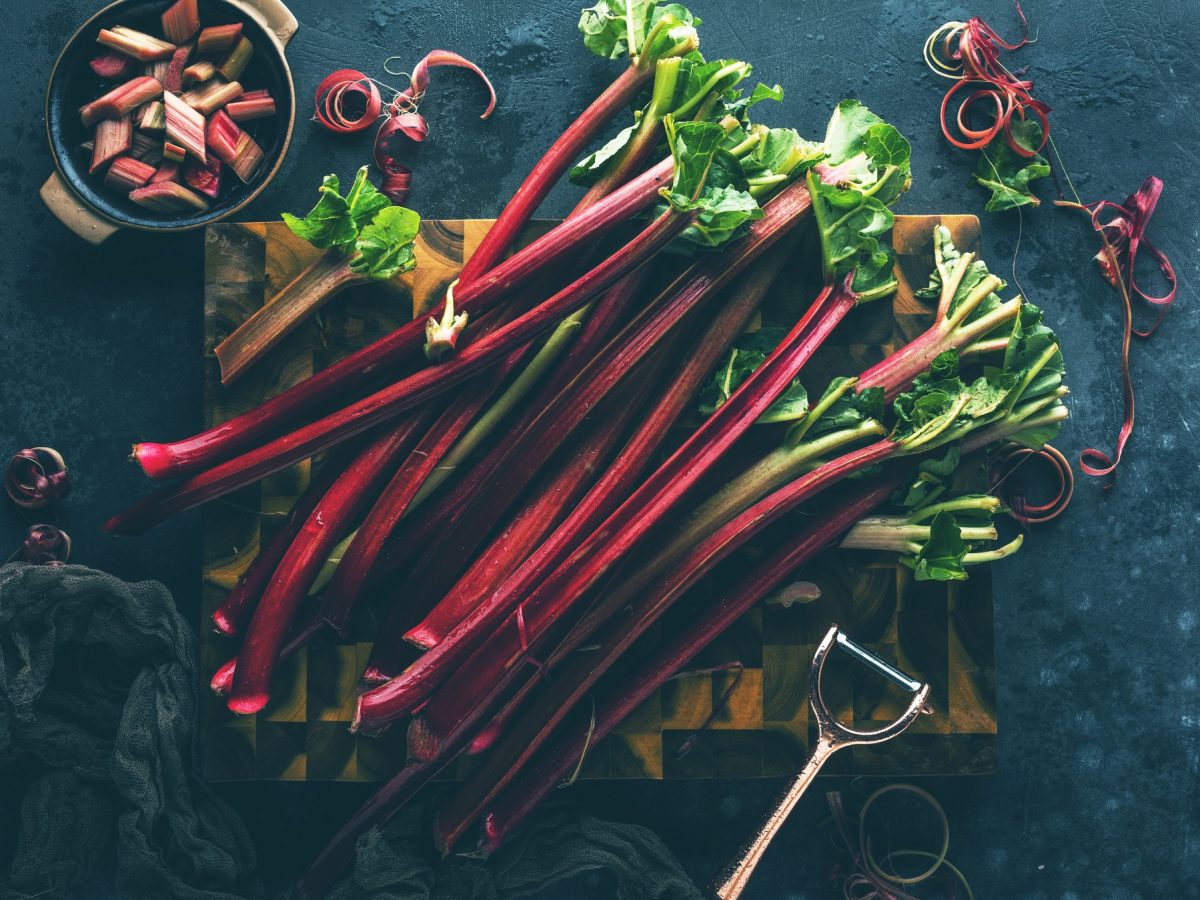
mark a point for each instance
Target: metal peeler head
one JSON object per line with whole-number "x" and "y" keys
{"x": 833, "y": 732}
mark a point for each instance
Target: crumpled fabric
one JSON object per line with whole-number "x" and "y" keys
{"x": 557, "y": 844}
{"x": 97, "y": 710}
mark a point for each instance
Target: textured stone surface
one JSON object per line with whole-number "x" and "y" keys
{"x": 1099, "y": 702}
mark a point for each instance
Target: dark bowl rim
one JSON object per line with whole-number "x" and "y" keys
{"x": 277, "y": 47}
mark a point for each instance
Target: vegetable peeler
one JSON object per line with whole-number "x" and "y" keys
{"x": 832, "y": 736}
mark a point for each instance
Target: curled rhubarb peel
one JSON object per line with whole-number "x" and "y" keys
{"x": 43, "y": 545}
{"x": 331, "y": 101}
{"x": 1014, "y": 497}
{"x": 1121, "y": 237}
{"x": 36, "y": 478}
{"x": 969, "y": 53}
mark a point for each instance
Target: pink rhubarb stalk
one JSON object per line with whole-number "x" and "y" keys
{"x": 622, "y": 694}
{"x": 288, "y": 587}
{"x": 401, "y": 396}
{"x": 360, "y": 368}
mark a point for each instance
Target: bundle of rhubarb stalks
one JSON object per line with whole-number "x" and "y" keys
{"x": 586, "y": 429}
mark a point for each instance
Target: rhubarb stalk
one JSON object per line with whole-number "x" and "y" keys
{"x": 396, "y": 398}
{"x": 327, "y": 522}
{"x": 360, "y": 368}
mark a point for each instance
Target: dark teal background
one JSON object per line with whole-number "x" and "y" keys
{"x": 1097, "y": 618}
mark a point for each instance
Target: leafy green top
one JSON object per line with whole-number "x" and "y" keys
{"x": 377, "y": 236}
{"x": 1006, "y": 173}
{"x": 708, "y": 184}
{"x": 643, "y": 29}
{"x": 866, "y": 168}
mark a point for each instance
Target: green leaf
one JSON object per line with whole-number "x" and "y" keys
{"x": 737, "y": 103}
{"x": 932, "y": 478}
{"x": 1006, "y": 173}
{"x": 589, "y": 169}
{"x": 1030, "y": 339}
{"x": 364, "y": 201}
{"x": 330, "y": 223}
{"x": 724, "y": 213}
{"x": 607, "y": 25}
{"x": 693, "y": 145}
{"x": 848, "y": 409}
{"x": 850, "y": 224}
{"x": 700, "y": 78}
{"x": 941, "y": 557}
{"x": 782, "y": 152}
{"x": 385, "y": 247}
{"x": 747, "y": 354}
{"x": 867, "y": 152}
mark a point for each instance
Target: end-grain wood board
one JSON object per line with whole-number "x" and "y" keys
{"x": 943, "y": 633}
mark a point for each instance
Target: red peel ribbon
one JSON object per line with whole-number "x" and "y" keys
{"x": 405, "y": 119}
{"x": 44, "y": 545}
{"x": 970, "y": 53}
{"x": 332, "y": 94}
{"x": 1123, "y": 236}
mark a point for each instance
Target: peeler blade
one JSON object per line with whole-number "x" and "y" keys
{"x": 882, "y": 666}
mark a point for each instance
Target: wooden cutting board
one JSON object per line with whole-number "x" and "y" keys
{"x": 941, "y": 633}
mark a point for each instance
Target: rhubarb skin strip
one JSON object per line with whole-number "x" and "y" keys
{"x": 620, "y": 695}
{"x": 361, "y": 368}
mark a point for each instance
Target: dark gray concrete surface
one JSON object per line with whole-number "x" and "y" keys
{"x": 1097, "y": 618}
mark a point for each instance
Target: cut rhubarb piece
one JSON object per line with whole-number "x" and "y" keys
{"x": 185, "y": 127}
{"x": 137, "y": 44}
{"x": 174, "y": 152}
{"x": 173, "y": 77}
{"x": 169, "y": 197}
{"x": 260, "y": 94}
{"x": 127, "y": 174}
{"x": 233, "y": 146}
{"x": 168, "y": 171}
{"x": 243, "y": 110}
{"x": 147, "y": 148}
{"x": 218, "y": 38}
{"x": 152, "y": 117}
{"x": 235, "y": 63}
{"x": 112, "y": 66}
{"x": 121, "y": 101}
{"x": 181, "y": 21}
{"x": 211, "y": 96}
{"x": 157, "y": 70}
{"x": 204, "y": 177}
{"x": 113, "y": 137}
{"x": 199, "y": 72}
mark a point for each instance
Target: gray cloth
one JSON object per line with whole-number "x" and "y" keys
{"x": 97, "y": 703}
{"x": 399, "y": 862}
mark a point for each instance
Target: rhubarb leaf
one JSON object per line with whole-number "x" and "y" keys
{"x": 589, "y": 169}
{"x": 748, "y": 353}
{"x": 723, "y": 213}
{"x": 700, "y": 78}
{"x": 840, "y": 408}
{"x": 1030, "y": 339}
{"x": 738, "y": 102}
{"x": 385, "y": 247}
{"x": 1006, "y": 173}
{"x": 941, "y": 556}
{"x": 932, "y": 478}
{"x": 693, "y": 145}
{"x": 329, "y": 224}
{"x": 607, "y": 26}
{"x": 364, "y": 200}
{"x": 782, "y": 152}
{"x": 866, "y": 169}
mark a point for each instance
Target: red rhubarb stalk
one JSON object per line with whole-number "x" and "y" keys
{"x": 525, "y": 631}
{"x": 113, "y": 137}
{"x": 403, "y": 395}
{"x": 181, "y": 21}
{"x": 112, "y": 66}
{"x": 562, "y": 693}
{"x": 386, "y": 704}
{"x": 235, "y": 610}
{"x": 327, "y": 522}
{"x": 121, "y": 101}
{"x": 140, "y": 46}
{"x": 360, "y": 368}
{"x": 620, "y": 696}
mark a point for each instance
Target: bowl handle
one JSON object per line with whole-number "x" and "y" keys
{"x": 277, "y": 18}
{"x": 72, "y": 212}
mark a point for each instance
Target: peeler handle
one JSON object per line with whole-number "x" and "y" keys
{"x": 738, "y": 875}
